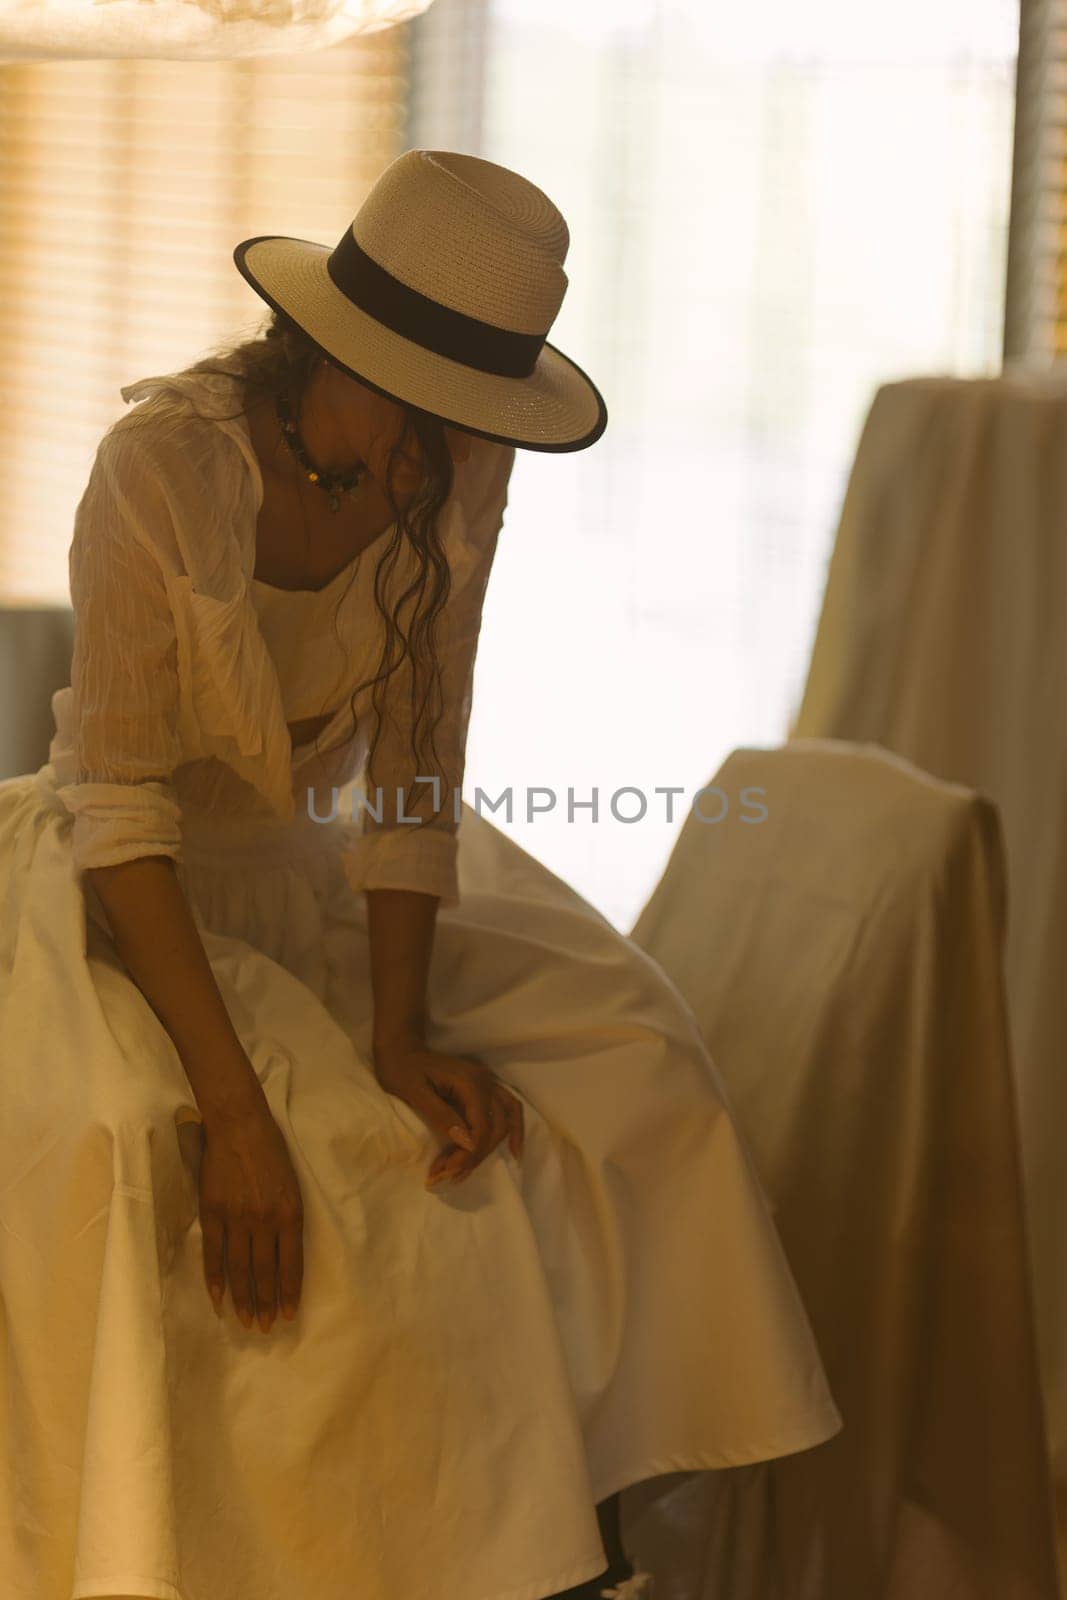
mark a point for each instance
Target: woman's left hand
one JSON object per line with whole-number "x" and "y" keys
{"x": 437, "y": 1086}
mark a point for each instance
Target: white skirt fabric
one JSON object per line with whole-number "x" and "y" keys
{"x": 470, "y": 1370}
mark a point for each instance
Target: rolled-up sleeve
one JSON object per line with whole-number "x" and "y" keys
{"x": 124, "y": 675}
{"x": 392, "y": 852}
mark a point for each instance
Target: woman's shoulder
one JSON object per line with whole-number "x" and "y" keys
{"x": 179, "y": 417}
{"x": 171, "y": 453}
{"x": 186, "y": 427}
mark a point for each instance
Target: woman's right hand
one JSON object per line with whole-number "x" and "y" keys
{"x": 251, "y": 1215}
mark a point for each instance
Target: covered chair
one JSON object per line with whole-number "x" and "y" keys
{"x": 942, "y": 637}
{"x": 838, "y": 935}
{"x": 36, "y": 647}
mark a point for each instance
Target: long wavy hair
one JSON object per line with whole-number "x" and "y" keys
{"x": 282, "y": 357}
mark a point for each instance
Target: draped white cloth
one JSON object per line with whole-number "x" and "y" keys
{"x": 943, "y": 636}
{"x": 470, "y": 1371}
{"x": 844, "y": 959}
{"x": 188, "y": 30}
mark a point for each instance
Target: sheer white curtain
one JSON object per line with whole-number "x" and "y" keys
{"x": 188, "y": 30}
{"x": 771, "y": 212}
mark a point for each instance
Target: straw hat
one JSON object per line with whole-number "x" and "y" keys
{"x": 441, "y": 294}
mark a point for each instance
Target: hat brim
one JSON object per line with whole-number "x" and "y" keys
{"x": 556, "y": 408}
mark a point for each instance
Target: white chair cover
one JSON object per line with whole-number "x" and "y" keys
{"x": 843, "y": 960}
{"x": 943, "y": 637}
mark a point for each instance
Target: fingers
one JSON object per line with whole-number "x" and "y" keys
{"x": 214, "y": 1262}
{"x": 511, "y": 1122}
{"x": 516, "y": 1124}
{"x": 471, "y": 1113}
{"x": 264, "y": 1268}
{"x": 252, "y": 1218}
{"x": 239, "y": 1268}
{"x": 439, "y": 1114}
{"x": 264, "y": 1249}
{"x": 477, "y": 1098}
{"x": 503, "y": 1120}
{"x": 290, "y": 1265}
{"x": 250, "y": 1262}
{"x": 455, "y": 1163}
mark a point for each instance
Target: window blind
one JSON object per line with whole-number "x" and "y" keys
{"x": 124, "y": 187}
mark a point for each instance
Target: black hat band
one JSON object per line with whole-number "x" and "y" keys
{"x": 439, "y": 328}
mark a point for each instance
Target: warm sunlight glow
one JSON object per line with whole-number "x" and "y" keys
{"x": 773, "y": 210}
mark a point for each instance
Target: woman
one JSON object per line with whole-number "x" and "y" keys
{"x": 230, "y": 1062}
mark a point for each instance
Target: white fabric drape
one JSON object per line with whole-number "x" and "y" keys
{"x": 388, "y": 1450}
{"x": 843, "y": 956}
{"x": 193, "y": 30}
{"x": 942, "y": 638}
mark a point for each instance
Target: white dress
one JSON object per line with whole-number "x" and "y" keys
{"x": 470, "y": 1370}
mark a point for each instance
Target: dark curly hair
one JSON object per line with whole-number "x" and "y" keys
{"x": 283, "y": 357}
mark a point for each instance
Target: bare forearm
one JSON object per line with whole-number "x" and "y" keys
{"x": 161, "y": 948}
{"x": 401, "y": 924}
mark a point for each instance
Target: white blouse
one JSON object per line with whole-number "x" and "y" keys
{"x": 313, "y": 664}
{"x": 187, "y": 668}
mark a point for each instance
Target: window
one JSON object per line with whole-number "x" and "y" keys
{"x": 124, "y": 187}
{"x": 1035, "y": 333}
{"x": 773, "y": 210}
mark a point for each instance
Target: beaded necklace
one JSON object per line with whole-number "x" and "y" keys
{"x": 332, "y": 483}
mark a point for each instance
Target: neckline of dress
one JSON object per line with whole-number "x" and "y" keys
{"x": 238, "y": 429}
{"x": 275, "y": 588}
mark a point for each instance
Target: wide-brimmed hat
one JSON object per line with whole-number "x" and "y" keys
{"x": 441, "y": 294}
